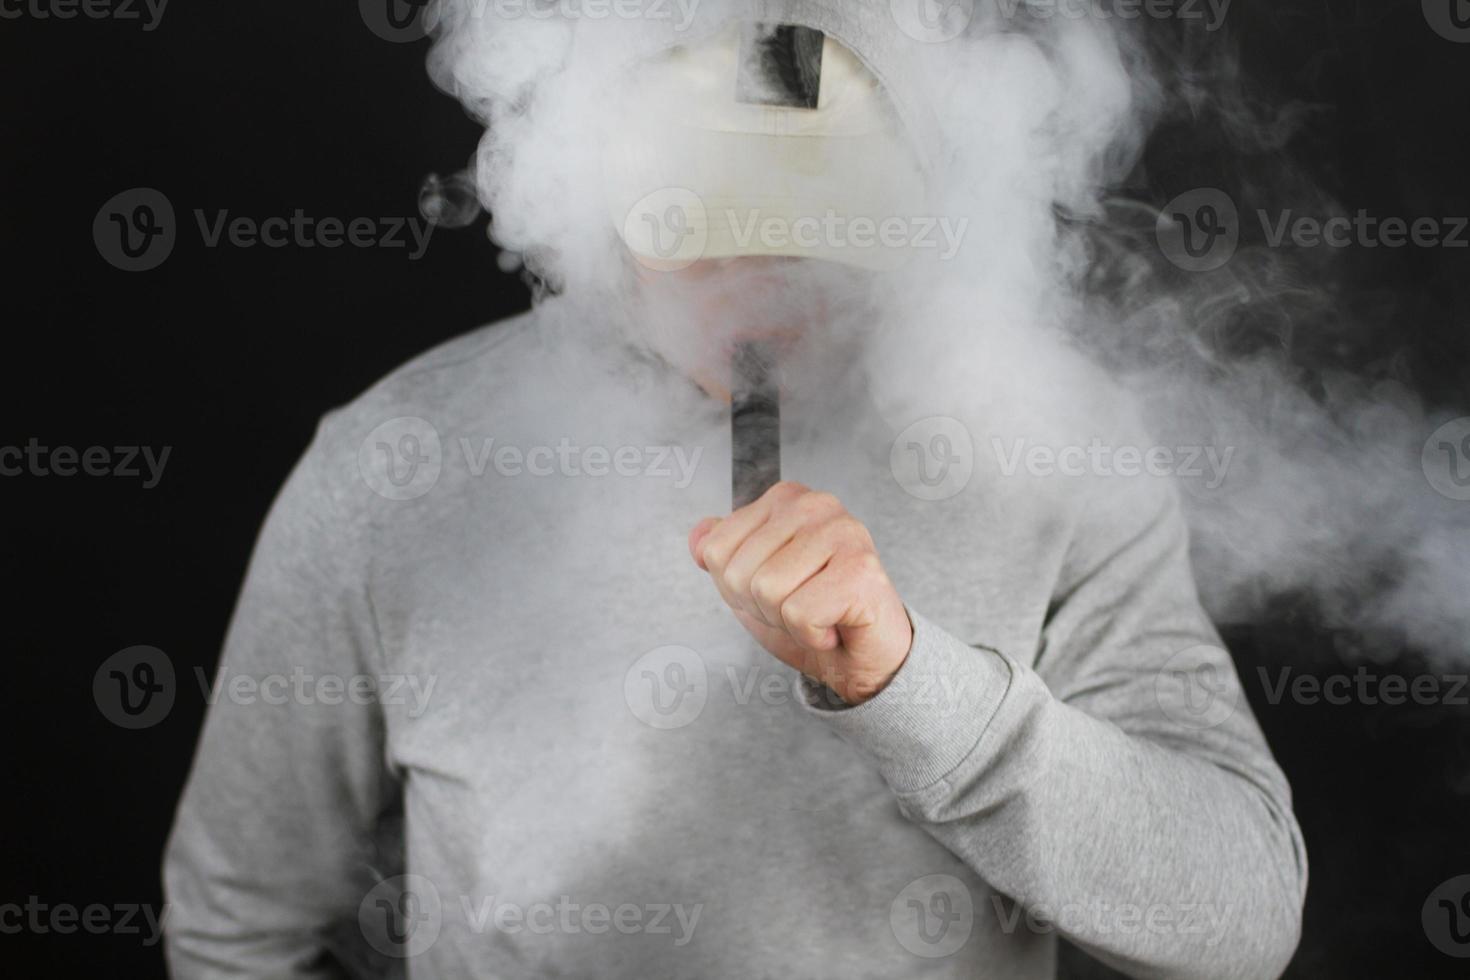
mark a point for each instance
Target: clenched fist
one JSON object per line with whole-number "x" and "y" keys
{"x": 802, "y": 575}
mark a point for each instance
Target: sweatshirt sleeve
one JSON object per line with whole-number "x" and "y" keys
{"x": 1120, "y": 792}
{"x": 287, "y": 818}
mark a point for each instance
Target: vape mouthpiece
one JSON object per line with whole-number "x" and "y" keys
{"x": 755, "y": 422}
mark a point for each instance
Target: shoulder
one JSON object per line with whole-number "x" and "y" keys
{"x": 445, "y": 381}
{"x": 386, "y": 443}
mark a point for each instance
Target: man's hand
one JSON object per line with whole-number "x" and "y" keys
{"x": 802, "y": 575}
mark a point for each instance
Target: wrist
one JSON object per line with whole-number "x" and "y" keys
{"x": 867, "y": 684}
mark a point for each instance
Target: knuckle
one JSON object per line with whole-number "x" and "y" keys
{"x": 867, "y": 564}
{"x": 716, "y": 554}
{"x": 786, "y": 490}
{"x": 795, "y": 614}
{"x": 818, "y": 503}
{"x": 764, "y": 589}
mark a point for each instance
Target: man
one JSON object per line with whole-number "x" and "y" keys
{"x": 880, "y": 722}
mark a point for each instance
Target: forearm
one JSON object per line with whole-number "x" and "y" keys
{"x": 1156, "y": 859}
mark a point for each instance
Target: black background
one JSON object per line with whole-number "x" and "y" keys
{"x": 228, "y": 356}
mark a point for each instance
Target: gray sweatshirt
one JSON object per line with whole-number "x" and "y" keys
{"x": 479, "y": 715}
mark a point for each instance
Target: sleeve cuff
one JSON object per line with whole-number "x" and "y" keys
{"x": 930, "y": 716}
